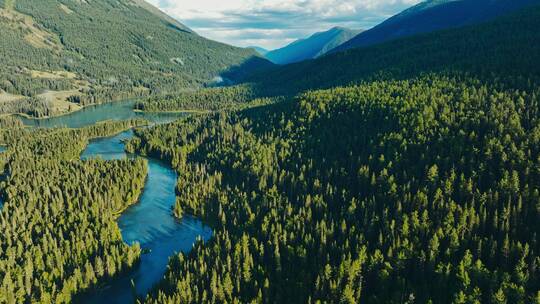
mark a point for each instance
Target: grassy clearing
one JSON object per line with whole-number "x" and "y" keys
{"x": 53, "y": 74}
{"x": 33, "y": 34}
{"x": 9, "y": 5}
{"x": 66, "y": 9}
{"x": 6, "y": 97}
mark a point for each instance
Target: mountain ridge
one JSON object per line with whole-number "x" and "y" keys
{"x": 111, "y": 49}
{"x": 156, "y": 11}
{"x": 311, "y": 47}
{"x": 430, "y": 16}
{"x": 262, "y": 51}
{"x": 397, "y": 58}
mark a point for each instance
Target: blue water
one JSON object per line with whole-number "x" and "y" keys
{"x": 149, "y": 222}
{"x": 121, "y": 110}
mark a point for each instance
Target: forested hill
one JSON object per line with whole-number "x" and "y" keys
{"x": 103, "y": 49}
{"x": 419, "y": 183}
{"x": 433, "y": 15}
{"x": 156, "y": 11}
{"x": 507, "y": 45}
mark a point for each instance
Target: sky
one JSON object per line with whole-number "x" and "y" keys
{"x": 274, "y": 23}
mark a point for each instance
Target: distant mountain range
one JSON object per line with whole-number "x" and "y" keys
{"x": 504, "y": 46}
{"x": 316, "y": 45}
{"x": 261, "y": 51}
{"x": 434, "y": 15}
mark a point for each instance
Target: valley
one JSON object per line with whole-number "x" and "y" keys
{"x": 60, "y": 40}
{"x": 143, "y": 163}
{"x": 148, "y": 223}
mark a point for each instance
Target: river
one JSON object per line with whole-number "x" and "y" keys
{"x": 150, "y": 222}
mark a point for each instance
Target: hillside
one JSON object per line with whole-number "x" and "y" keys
{"x": 316, "y": 45}
{"x": 400, "y": 173}
{"x": 412, "y": 179}
{"x": 509, "y": 45}
{"x": 434, "y": 15}
{"x": 94, "y": 51}
{"x": 416, "y": 191}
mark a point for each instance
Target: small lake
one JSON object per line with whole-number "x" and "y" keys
{"x": 150, "y": 222}
{"x": 120, "y": 110}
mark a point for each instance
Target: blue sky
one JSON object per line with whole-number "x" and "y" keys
{"x": 275, "y": 23}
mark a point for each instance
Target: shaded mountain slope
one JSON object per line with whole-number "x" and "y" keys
{"x": 508, "y": 45}
{"x": 435, "y": 15}
{"x": 260, "y": 50}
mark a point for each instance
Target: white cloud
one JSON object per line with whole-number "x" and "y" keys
{"x": 274, "y": 23}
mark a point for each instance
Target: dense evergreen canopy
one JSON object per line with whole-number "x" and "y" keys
{"x": 507, "y": 46}
{"x": 407, "y": 172}
{"x": 59, "y": 234}
{"x": 386, "y": 192}
{"x": 417, "y": 184}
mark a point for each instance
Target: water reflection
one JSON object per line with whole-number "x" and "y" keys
{"x": 88, "y": 116}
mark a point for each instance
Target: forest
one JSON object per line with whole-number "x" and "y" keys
{"x": 433, "y": 198}
{"x": 407, "y": 172}
{"x": 500, "y": 48}
{"x": 59, "y": 234}
{"x": 417, "y": 184}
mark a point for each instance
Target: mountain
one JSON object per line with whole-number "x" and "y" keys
{"x": 413, "y": 178}
{"x": 508, "y": 44}
{"x": 260, "y": 50}
{"x": 434, "y": 15}
{"x": 65, "y": 54}
{"x": 312, "y": 47}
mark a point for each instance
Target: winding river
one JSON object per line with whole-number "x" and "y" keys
{"x": 150, "y": 222}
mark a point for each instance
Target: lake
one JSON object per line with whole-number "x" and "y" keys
{"x": 120, "y": 110}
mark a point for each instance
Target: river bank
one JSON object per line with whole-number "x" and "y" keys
{"x": 149, "y": 222}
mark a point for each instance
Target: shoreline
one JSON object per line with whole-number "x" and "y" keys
{"x": 120, "y": 283}
{"x": 175, "y": 111}
{"x": 135, "y": 99}
{"x": 26, "y": 116}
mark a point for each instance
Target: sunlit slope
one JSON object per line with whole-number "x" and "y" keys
{"x": 312, "y": 47}
{"x": 114, "y": 47}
